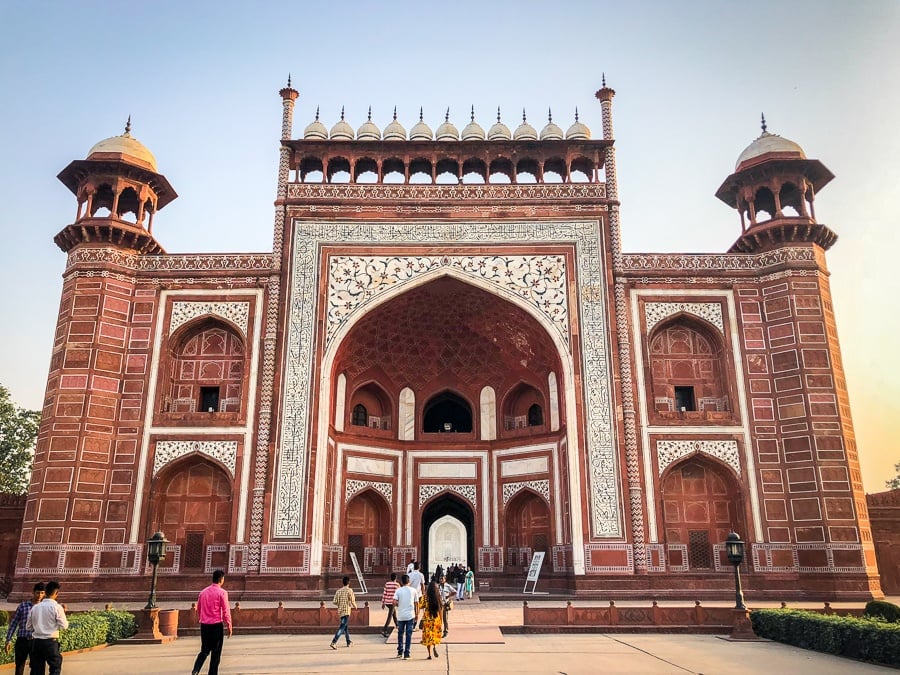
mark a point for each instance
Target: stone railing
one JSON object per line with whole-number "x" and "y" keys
{"x": 280, "y": 619}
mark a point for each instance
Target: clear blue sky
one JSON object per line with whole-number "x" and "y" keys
{"x": 200, "y": 81}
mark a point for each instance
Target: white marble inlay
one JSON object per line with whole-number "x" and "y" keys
{"x": 373, "y": 467}
{"x": 468, "y": 492}
{"x": 168, "y": 451}
{"x": 353, "y": 487}
{"x": 407, "y": 423}
{"x": 542, "y": 487}
{"x": 668, "y": 452}
{"x": 708, "y": 311}
{"x": 447, "y": 470}
{"x": 237, "y": 313}
{"x": 488, "y": 405}
{"x": 523, "y": 467}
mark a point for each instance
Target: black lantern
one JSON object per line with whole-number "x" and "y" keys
{"x": 156, "y": 551}
{"x": 734, "y": 549}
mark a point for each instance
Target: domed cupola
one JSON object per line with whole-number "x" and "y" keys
{"x": 316, "y": 131}
{"x": 499, "y": 131}
{"x": 394, "y": 131}
{"x": 773, "y": 188}
{"x": 342, "y": 131}
{"x": 447, "y": 132}
{"x": 421, "y": 131}
{"x": 551, "y": 132}
{"x": 578, "y": 131}
{"x": 525, "y": 132}
{"x": 369, "y": 131}
{"x": 473, "y": 130}
{"x": 118, "y": 190}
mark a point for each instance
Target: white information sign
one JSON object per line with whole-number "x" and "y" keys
{"x": 359, "y": 576}
{"x": 537, "y": 560}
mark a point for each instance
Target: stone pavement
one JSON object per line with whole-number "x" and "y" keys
{"x": 475, "y": 645}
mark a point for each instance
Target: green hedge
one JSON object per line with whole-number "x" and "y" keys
{"x": 90, "y": 629}
{"x": 881, "y": 609}
{"x": 863, "y": 639}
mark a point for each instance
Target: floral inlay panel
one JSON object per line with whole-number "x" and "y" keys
{"x": 668, "y": 452}
{"x": 169, "y": 451}
{"x": 708, "y": 311}
{"x": 237, "y": 313}
{"x": 468, "y": 492}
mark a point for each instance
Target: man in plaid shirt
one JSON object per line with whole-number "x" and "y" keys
{"x": 17, "y": 626}
{"x": 345, "y": 601}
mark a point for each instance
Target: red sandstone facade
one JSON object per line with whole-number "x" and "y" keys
{"x": 447, "y": 357}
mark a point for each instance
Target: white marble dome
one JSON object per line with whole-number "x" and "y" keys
{"x": 447, "y": 132}
{"x": 578, "y": 131}
{"x": 369, "y": 131}
{"x": 551, "y": 132}
{"x": 499, "y": 131}
{"x": 767, "y": 143}
{"x": 126, "y": 148}
{"x": 525, "y": 132}
{"x": 316, "y": 130}
{"x": 421, "y": 131}
{"x": 394, "y": 131}
{"x": 342, "y": 131}
{"x": 473, "y": 130}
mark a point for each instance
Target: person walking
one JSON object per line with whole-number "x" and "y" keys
{"x": 345, "y": 601}
{"x": 45, "y": 621}
{"x": 432, "y": 623}
{"x": 406, "y": 602}
{"x": 448, "y": 592}
{"x": 460, "y": 583}
{"x": 417, "y": 579}
{"x": 17, "y": 628}
{"x": 215, "y": 617}
{"x": 387, "y": 602}
{"x": 470, "y": 582}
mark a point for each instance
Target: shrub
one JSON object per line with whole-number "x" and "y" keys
{"x": 862, "y": 639}
{"x": 881, "y": 609}
{"x": 89, "y": 629}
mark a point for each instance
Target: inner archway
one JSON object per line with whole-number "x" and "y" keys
{"x": 701, "y": 504}
{"x": 368, "y": 529}
{"x": 527, "y": 528}
{"x": 450, "y": 517}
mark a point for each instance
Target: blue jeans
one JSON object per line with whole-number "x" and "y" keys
{"x": 404, "y": 628}
{"x": 343, "y": 628}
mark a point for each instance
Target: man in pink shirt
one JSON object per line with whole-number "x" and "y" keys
{"x": 215, "y": 617}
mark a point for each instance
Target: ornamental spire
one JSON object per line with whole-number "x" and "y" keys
{"x": 128, "y": 126}
{"x": 762, "y": 119}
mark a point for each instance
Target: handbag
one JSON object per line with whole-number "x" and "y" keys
{"x": 422, "y": 624}
{"x": 449, "y": 605}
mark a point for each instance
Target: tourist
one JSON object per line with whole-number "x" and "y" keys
{"x": 411, "y": 566}
{"x": 460, "y": 583}
{"x": 387, "y": 601}
{"x": 406, "y": 601}
{"x": 448, "y": 591}
{"x": 469, "y": 582}
{"x": 345, "y": 601}
{"x": 417, "y": 579}
{"x": 44, "y": 622}
{"x": 432, "y": 621}
{"x": 215, "y": 617}
{"x": 18, "y": 627}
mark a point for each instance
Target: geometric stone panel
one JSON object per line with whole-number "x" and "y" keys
{"x": 708, "y": 311}
{"x": 168, "y": 451}
{"x": 235, "y": 312}
{"x": 668, "y": 452}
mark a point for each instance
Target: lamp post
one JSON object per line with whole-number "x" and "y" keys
{"x": 156, "y": 551}
{"x": 734, "y": 548}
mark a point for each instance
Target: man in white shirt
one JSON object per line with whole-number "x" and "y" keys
{"x": 406, "y": 600}
{"x": 45, "y": 621}
{"x": 417, "y": 579}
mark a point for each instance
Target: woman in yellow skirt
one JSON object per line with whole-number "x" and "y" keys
{"x": 432, "y": 623}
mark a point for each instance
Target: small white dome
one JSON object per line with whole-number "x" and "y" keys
{"x": 499, "y": 131}
{"x": 525, "y": 132}
{"x": 473, "y": 130}
{"x": 578, "y": 131}
{"x": 421, "y": 131}
{"x": 394, "y": 131}
{"x": 127, "y": 148}
{"x": 447, "y": 132}
{"x": 342, "y": 131}
{"x": 369, "y": 131}
{"x": 316, "y": 130}
{"x": 769, "y": 143}
{"x": 551, "y": 132}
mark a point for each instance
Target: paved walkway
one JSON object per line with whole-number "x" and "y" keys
{"x": 474, "y": 645}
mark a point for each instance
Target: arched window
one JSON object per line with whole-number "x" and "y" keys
{"x": 447, "y": 413}
{"x": 360, "y": 416}
{"x": 535, "y": 416}
{"x": 523, "y": 408}
{"x": 207, "y": 370}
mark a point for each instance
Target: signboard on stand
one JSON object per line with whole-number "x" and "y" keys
{"x": 359, "y": 576}
{"x": 537, "y": 560}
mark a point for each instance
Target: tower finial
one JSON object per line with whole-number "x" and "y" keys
{"x": 523, "y": 115}
{"x": 370, "y": 113}
{"x": 498, "y": 114}
{"x": 128, "y": 125}
{"x": 549, "y": 115}
{"x": 317, "y": 113}
{"x": 342, "y": 113}
{"x": 447, "y": 115}
{"x": 289, "y": 80}
{"x": 420, "y": 113}
{"x": 762, "y": 118}
{"x": 472, "y": 116}
{"x": 576, "y": 113}
{"x": 603, "y": 79}
{"x": 395, "y": 113}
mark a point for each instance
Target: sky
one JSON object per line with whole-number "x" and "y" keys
{"x": 200, "y": 81}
